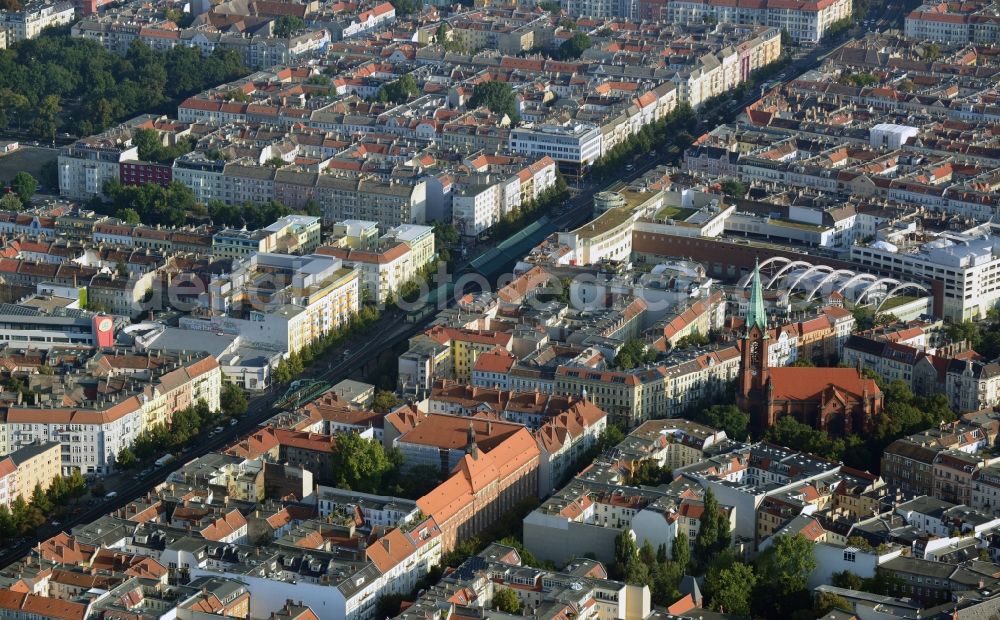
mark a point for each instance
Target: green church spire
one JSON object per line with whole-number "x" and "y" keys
{"x": 755, "y": 313}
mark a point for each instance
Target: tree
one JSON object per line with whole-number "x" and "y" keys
{"x": 285, "y": 25}
{"x": 497, "y": 96}
{"x": 388, "y": 604}
{"x": 507, "y": 601}
{"x": 648, "y": 473}
{"x": 730, "y": 588}
{"x": 232, "y": 400}
{"x": 827, "y": 601}
{"x": 147, "y": 142}
{"x": 729, "y": 418}
{"x": 129, "y": 216}
{"x": 966, "y": 330}
{"x": 611, "y": 437}
{"x": 733, "y": 188}
{"x": 626, "y": 554}
{"x": 634, "y": 353}
{"x": 126, "y": 458}
{"x": 295, "y": 364}
{"x": 58, "y": 491}
{"x": 40, "y": 500}
{"x": 24, "y": 185}
{"x": 848, "y": 580}
{"x": 681, "y": 551}
{"x": 281, "y": 373}
{"x": 384, "y": 401}
{"x": 47, "y": 117}
{"x": 574, "y": 47}
{"x": 359, "y": 464}
{"x": 407, "y": 7}
{"x": 713, "y": 535}
{"x": 13, "y": 105}
{"x": 784, "y": 570}
{"x": 10, "y": 202}
{"x": 399, "y": 91}
{"x": 76, "y": 485}
{"x": 8, "y": 528}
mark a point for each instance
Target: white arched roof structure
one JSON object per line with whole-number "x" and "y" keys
{"x": 745, "y": 280}
{"x": 857, "y": 278}
{"x": 900, "y": 287}
{"x": 805, "y": 274}
{"x": 877, "y": 283}
{"x": 827, "y": 278}
{"x": 788, "y": 267}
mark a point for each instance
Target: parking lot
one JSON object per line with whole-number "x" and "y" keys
{"x": 27, "y": 158}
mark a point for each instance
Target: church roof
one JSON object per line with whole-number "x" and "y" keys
{"x": 795, "y": 383}
{"x": 756, "y": 315}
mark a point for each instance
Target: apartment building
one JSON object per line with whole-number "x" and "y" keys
{"x": 463, "y": 506}
{"x": 805, "y": 22}
{"x": 278, "y": 301}
{"x": 481, "y": 201}
{"x": 27, "y": 467}
{"x": 627, "y": 396}
{"x": 972, "y": 385}
{"x": 87, "y": 164}
{"x": 581, "y": 585}
{"x": 124, "y": 296}
{"x": 291, "y": 234}
{"x": 385, "y": 264}
{"x": 908, "y": 463}
{"x": 390, "y": 204}
{"x": 93, "y": 431}
{"x": 34, "y": 17}
{"x": 258, "y": 51}
{"x": 974, "y": 22}
{"x": 574, "y": 146}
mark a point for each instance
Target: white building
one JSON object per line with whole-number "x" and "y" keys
{"x": 575, "y": 145}
{"x": 86, "y": 165}
{"x": 805, "y": 22}
{"x": 93, "y": 434}
{"x": 29, "y": 22}
{"x": 967, "y": 264}
{"x": 891, "y": 136}
{"x": 278, "y": 301}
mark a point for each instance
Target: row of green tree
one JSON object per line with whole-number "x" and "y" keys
{"x": 531, "y": 210}
{"x": 185, "y": 427}
{"x": 669, "y": 135}
{"x": 292, "y": 367}
{"x": 41, "y": 76}
{"x": 24, "y": 517}
{"x": 176, "y": 204}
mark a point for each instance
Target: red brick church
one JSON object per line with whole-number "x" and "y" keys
{"x": 840, "y": 401}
